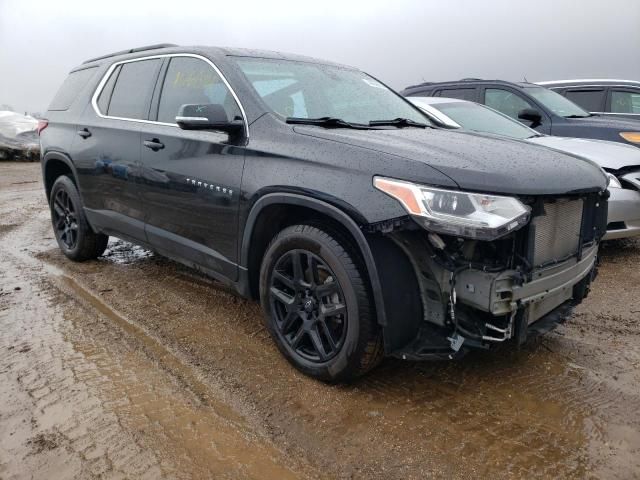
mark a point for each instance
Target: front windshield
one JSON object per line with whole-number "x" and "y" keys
{"x": 556, "y": 103}
{"x": 312, "y": 90}
{"x": 478, "y": 118}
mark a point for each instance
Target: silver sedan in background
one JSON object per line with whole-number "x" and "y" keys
{"x": 621, "y": 162}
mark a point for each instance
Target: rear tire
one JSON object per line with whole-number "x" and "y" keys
{"x": 75, "y": 237}
{"x": 317, "y": 305}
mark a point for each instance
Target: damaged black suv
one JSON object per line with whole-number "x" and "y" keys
{"x": 363, "y": 230}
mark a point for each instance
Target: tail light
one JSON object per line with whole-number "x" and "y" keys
{"x": 42, "y": 124}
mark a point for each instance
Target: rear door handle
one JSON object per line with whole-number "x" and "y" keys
{"x": 84, "y": 133}
{"x": 154, "y": 144}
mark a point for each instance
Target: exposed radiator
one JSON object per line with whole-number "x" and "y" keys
{"x": 557, "y": 233}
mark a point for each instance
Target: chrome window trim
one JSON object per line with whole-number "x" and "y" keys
{"x": 615, "y": 113}
{"x": 105, "y": 78}
{"x": 192, "y": 119}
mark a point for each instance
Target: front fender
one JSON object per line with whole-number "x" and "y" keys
{"x": 335, "y": 213}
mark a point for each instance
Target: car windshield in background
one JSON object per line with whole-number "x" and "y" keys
{"x": 557, "y": 103}
{"x": 303, "y": 90}
{"x": 472, "y": 116}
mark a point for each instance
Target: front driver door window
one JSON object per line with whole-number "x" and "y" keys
{"x": 506, "y": 102}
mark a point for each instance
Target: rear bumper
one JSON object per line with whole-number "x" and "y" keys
{"x": 624, "y": 213}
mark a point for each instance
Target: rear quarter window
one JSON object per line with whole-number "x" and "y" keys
{"x": 107, "y": 91}
{"x": 70, "y": 89}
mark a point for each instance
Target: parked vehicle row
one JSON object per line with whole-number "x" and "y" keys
{"x": 542, "y": 109}
{"x": 362, "y": 227}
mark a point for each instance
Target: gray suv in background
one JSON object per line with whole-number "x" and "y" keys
{"x": 619, "y": 98}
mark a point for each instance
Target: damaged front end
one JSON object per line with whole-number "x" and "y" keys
{"x": 466, "y": 292}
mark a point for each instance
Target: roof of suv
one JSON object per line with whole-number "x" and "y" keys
{"x": 466, "y": 81}
{"x": 167, "y": 48}
{"x": 589, "y": 81}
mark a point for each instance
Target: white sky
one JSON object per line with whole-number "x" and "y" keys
{"x": 400, "y": 41}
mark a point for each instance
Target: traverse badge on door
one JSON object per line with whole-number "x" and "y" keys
{"x": 210, "y": 186}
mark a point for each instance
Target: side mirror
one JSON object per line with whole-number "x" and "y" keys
{"x": 531, "y": 115}
{"x": 207, "y": 116}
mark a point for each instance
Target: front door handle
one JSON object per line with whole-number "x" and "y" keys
{"x": 84, "y": 133}
{"x": 154, "y": 144}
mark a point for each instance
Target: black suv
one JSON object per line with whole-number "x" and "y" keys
{"x": 311, "y": 186}
{"x": 620, "y": 98}
{"x": 535, "y": 106}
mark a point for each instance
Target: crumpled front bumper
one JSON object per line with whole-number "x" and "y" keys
{"x": 503, "y": 293}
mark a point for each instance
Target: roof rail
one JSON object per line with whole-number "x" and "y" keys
{"x": 423, "y": 84}
{"x": 132, "y": 50}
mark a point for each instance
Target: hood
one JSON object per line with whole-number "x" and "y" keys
{"x": 604, "y": 121}
{"x": 476, "y": 162}
{"x": 609, "y": 155}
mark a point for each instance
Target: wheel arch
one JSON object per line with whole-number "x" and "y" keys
{"x": 55, "y": 164}
{"x": 259, "y": 215}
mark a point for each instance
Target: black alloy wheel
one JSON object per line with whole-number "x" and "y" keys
{"x": 317, "y": 303}
{"x": 74, "y": 235}
{"x": 308, "y": 305}
{"x": 64, "y": 219}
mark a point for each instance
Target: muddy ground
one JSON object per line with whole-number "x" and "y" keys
{"x": 132, "y": 366}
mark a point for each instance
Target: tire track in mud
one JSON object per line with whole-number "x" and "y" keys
{"x": 93, "y": 393}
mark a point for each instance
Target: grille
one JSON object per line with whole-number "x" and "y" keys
{"x": 557, "y": 233}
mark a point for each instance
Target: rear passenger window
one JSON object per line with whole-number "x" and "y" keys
{"x": 71, "y": 87}
{"x": 133, "y": 89}
{"x": 590, "y": 100}
{"x": 625, "y": 102}
{"x": 461, "y": 93}
{"x": 193, "y": 81}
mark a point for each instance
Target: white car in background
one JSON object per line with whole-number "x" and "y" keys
{"x": 620, "y": 161}
{"x": 18, "y": 137}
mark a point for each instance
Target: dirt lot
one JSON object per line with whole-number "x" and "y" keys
{"x": 135, "y": 367}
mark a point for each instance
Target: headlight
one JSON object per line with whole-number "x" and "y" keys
{"x": 463, "y": 214}
{"x": 633, "y": 137}
{"x": 613, "y": 181}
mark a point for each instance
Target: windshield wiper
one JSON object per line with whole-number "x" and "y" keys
{"x": 328, "y": 122}
{"x": 398, "y": 122}
{"x": 579, "y": 116}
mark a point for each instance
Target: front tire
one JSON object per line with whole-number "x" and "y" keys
{"x": 317, "y": 305}
{"x": 75, "y": 237}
